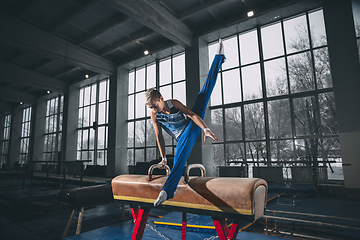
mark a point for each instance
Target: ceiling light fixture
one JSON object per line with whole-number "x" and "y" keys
{"x": 250, "y": 14}
{"x": 20, "y": 103}
{"x": 146, "y": 52}
{"x": 48, "y": 92}
{"x": 87, "y": 75}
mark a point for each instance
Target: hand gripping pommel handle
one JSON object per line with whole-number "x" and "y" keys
{"x": 154, "y": 166}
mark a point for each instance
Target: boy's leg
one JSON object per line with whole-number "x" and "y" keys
{"x": 203, "y": 96}
{"x": 183, "y": 149}
{"x": 188, "y": 138}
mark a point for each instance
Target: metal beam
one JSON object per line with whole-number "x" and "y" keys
{"x": 76, "y": 14}
{"x": 154, "y": 16}
{"x": 64, "y": 72}
{"x": 16, "y": 56}
{"x": 28, "y": 8}
{"x": 103, "y": 28}
{"x": 141, "y": 56}
{"x": 14, "y": 74}
{"x": 200, "y": 8}
{"x": 6, "y": 107}
{"x": 42, "y": 64}
{"x": 136, "y": 38}
{"x": 12, "y": 95}
{"x": 29, "y": 38}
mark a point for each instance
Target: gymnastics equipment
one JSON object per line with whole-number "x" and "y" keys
{"x": 79, "y": 198}
{"x": 235, "y": 198}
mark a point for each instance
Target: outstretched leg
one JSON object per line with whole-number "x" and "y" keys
{"x": 187, "y": 139}
{"x": 203, "y": 96}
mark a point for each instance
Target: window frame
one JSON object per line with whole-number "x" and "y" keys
{"x": 56, "y": 132}
{"x": 83, "y": 145}
{"x": 147, "y": 150}
{"x": 264, "y": 100}
{"x": 5, "y": 140}
{"x": 25, "y": 135}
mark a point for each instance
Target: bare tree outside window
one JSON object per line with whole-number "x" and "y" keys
{"x": 93, "y": 123}
{"x": 141, "y": 144}
{"x": 297, "y": 103}
{"x": 25, "y": 135}
{"x": 4, "y": 157}
{"x": 254, "y": 121}
{"x": 279, "y": 119}
{"x": 53, "y": 128}
{"x": 356, "y": 13}
{"x": 233, "y": 126}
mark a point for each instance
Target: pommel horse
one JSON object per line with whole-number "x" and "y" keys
{"x": 224, "y": 197}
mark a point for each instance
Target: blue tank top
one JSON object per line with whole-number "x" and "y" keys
{"x": 173, "y": 123}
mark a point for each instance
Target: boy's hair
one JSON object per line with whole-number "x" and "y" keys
{"x": 150, "y": 94}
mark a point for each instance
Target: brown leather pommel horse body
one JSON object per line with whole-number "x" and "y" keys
{"x": 223, "y": 197}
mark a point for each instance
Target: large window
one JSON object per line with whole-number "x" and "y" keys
{"x": 5, "y": 141}
{"x": 53, "y": 128}
{"x": 141, "y": 136}
{"x": 93, "y": 123}
{"x": 273, "y": 103}
{"x": 356, "y": 13}
{"x": 171, "y": 84}
{"x": 25, "y": 135}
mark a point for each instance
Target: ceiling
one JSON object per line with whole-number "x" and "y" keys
{"x": 47, "y": 45}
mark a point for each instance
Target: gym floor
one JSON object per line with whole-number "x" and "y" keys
{"x": 34, "y": 213}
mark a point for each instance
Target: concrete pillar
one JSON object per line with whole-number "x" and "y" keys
{"x": 64, "y": 131}
{"x": 197, "y": 67}
{"x": 118, "y": 109}
{"x": 345, "y": 71}
{"x": 72, "y": 123}
{"x": 38, "y": 131}
{"x": 15, "y": 136}
{"x": 32, "y": 133}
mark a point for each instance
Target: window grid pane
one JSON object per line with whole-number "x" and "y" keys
{"x": 249, "y": 49}
{"x": 296, "y": 34}
{"x": 4, "y": 156}
{"x": 298, "y": 100}
{"x": 25, "y": 135}
{"x": 93, "y": 122}
{"x": 172, "y": 85}
{"x": 272, "y": 42}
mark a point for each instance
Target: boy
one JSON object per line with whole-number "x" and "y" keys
{"x": 169, "y": 115}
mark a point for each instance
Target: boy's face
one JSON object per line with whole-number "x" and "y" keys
{"x": 157, "y": 104}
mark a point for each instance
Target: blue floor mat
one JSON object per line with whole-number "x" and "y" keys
{"x": 196, "y": 223}
{"x": 124, "y": 231}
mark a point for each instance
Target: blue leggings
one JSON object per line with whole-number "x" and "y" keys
{"x": 187, "y": 139}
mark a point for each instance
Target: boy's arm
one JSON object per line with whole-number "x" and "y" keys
{"x": 158, "y": 132}
{"x": 196, "y": 118}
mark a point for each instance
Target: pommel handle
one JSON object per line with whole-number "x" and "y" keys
{"x": 152, "y": 167}
{"x": 191, "y": 166}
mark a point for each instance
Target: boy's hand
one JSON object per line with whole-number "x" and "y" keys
{"x": 163, "y": 162}
{"x": 209, "y": 133}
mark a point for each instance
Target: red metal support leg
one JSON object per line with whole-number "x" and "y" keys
{"x": 221, "y": 227}
{"x": 134, "y": 212}
{"x": 184, "y": 223}
{"x": 234, "y": 230}
{"x": 141, "y": 215}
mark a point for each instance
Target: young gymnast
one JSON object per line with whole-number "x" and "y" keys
{"x": 169, "y": 115}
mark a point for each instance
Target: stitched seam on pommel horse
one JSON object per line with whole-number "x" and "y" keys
{"x": 188, "y": 205}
